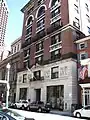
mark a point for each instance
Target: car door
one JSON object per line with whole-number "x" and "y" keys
{"x": 86, "y": 111}
{"x": 33, "y": 106}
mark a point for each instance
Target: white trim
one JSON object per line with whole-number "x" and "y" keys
{"x": 39, "y": 9}
{"x": 86, "y": 85}
{"x": 28, "y": 18}
{"x": 83, "y": 40}
{"x": 38, "y": 55}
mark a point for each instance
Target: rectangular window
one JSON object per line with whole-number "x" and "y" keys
{"x": 88, "y": 18}
{"x": 76, "y": 23}
{"x": 88, "y": 30}
{"x": 55, "y": 39}
{"x": 26, "y": 52}
{"x": 39, "y": 46}
{"x": 76, "y": 8}
{"x": 29, "y": 31}
{"x": 55, "y": 54}
{"x": 82, "y": 45}
{"x": 86, "y": 6}
{"x": 54, "y": 72}
{"x": 41, "y": 23}
{"x": 39, "y": 59}
{"x": 24, "y": 78}
{"x": 83, "y": 55}
{"x": 37, "y": 75}
{"x": 55, "y": 12}
{"x": 26, "y": 64}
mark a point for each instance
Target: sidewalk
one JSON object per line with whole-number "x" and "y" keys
{"x": 64, "y": 113}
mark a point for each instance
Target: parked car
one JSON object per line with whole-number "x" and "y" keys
{"x": 7, "y": 114}
{"x": 38, "y": 106}
{"x": 21, "y": 104}
{"x": 83, "y": 112}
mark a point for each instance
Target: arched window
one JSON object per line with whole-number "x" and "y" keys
{"x": 29, "y": 20}
{"x": 54, "y": 2}
{"x": 41, "y": 11}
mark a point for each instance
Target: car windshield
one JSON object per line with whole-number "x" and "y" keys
{"x": 14, "y": 114}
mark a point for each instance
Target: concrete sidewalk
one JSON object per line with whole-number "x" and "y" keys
{"x": 64, "y": 113}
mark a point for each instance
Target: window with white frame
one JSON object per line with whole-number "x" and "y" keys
{"x": 76, "y": 22}
{"x": 54, "y": 2}
{"x": 76, "y": 8}
{"x": 39, "y": 59}
{"x": 40, "y": 2}
{"x": 88, "y": 18}
{"x": 55, "y": 39}
{"x": 83, "y": 55}
{"x": 24, "y": 78}
{"x": 87, "y": 7}
{"x": 88, "y": 29}
{"x": 54, "y": 72}
{"x": 39, "y": 46}
{"x": 82, "y": 45}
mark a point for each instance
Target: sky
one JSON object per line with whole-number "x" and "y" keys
{"x": 15, "y": 20}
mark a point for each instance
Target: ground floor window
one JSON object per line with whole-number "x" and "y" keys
{"x": 55, "y": 95}
{"x": 23, "y": 94}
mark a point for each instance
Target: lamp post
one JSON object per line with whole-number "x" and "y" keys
{"x": 8, "y": 87}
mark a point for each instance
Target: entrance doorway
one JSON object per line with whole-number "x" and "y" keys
{"x": 38, "y": 94}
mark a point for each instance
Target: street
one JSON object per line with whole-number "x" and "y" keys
{"x": 43, "y": 116}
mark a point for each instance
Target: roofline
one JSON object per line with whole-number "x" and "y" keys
{"x": 18, "y": 39}
{"x": 83, "y": 39}
{"x": 22, "y": 10}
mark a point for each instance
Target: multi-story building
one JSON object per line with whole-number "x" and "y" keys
{"x": 49, "y": 57}
{"x": 83, "y": 52}
{"x": 3, "y": 22}
{"x": 14, "y": 60}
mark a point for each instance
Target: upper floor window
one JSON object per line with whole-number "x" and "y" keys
{"x": 54, "y": 2}
{"x": 83, "y": 55}
{"x": 54, "y": 72}
{"x": 55, "y": 12}
{"x": 76, "y": 22}
{"x": 86, "y": 6}
{"x": 55, "y": 39}
{"x": 55, "y": 54}
{"x": 24, "y": 78}
{"x": 76, "y": 8}
{"x": 82, "y": 45}
{"x": 39, "y": 46}
{"x": 41, "y": 11}
{"x": 29, "y": 31}
{"x": 26, "y": 63}
{"x": 14, "y": 49}
{"x": 26, "y": 52}
{"x": 88, "y": 18}
{"x": 39, "y": 59}
{"x": 88, "y": 30}
{"x": 37, "y": 75}
{"x": 29, "y": 20}
{"x": 40, "y": 2}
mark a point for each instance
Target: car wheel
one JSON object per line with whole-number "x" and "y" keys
{"x": 23, "y": 107}
{"x": 78, "y": 115}
{"x": 28, "y": 108}
{"x": 39, "y": 110}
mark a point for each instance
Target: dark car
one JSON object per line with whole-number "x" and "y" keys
{"x": 6, "y": 114}
{"x": 38, "y": 106}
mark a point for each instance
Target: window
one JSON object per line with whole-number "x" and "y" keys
{"x": 40, "y": 2}
{"x": 41, "y": 11}
{"x": 14, "y": 49}
{"x": 55, "y": 55}
{"x": 55, "y": 12}
{"x": 39, "y": 46}
{"x": 54, "y": 2}
{"x": 76, "y": 23}
{"x": 54, "y": 72}
{"x": 55, "y": 39}
{"x": 18, "y": 47}
{"x": 41, "y": 24}
{"x": 39, "y": 59}
{"x": 29, "y": 22}
{"x": 26, "y": 64}
{"x": 28, "y": 31}
{"x": 88, "y": 30}
{"x": 82, "y": 45}
{"x": 26, "y": 52}
{"x": 76, "y": 8}
{"x": 86, "y": 6}
{"x": 24, "y": 78}
{"x": 88, "y": 18}
{"x": 83, "y": 55}
{"x": 37, "y": 75}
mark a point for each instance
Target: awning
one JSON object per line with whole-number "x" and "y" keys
{"x": 86, "y": 85}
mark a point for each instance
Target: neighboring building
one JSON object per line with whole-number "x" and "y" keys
{"x": 49, "y": 56}
{"x": 3, "y": 23}
{"x": 14, "y": 60}
{"x": 83, "y": 51}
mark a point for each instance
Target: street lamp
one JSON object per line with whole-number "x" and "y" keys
{"x": 8, "y": 87}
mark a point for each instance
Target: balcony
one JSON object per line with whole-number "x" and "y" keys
{"x": 37, "y": 79}
{"x": 55, "y": 6}
{"x": 55, "y": 18}
{"x": 55, "y": 46}
{"x": 53, "y": 28}
{"x": 26, "y": 43}
{"x": 38, "y": 36}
